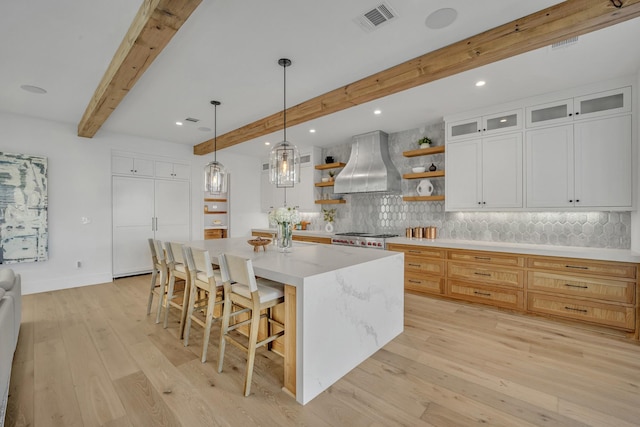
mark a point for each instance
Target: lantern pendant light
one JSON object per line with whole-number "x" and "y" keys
{"x": 215, "y": 175}
{"x": 284, "y": 160}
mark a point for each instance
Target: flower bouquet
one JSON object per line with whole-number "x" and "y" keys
{"x": 285, "y": 218}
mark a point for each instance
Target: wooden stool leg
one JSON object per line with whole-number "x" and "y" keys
{"x": 172, "y": 283}
{"x": 154, "y": 276}
{"x": 211, "y": 302}
{"x": 163, "y": 285}
{"x": 251, "y": 353}
{"x": 192, "y": 302}
{"x": 224, "y": 330}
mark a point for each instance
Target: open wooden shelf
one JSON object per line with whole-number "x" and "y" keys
{"x": 214, "y": 200}
{"x": 434, "y": 174}
{"x": 424, "y": 151}
{"x": 330, "y": 202}
{"x": 214, "y": 212}
{"x": 422, "y": 198}
{"x": 330, "y": 166}
{"x": 324, "y": 184}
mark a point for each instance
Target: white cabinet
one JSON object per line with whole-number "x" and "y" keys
{"x": 142, "y": 209}
{"x": 125, "y": 165}
{"x": 582, "y": 107}
{"x": 484, "y": 125}
{"x": 484, "y": 173}
{"x": 301, "y": 195}
{"x": 172, "y": 170}
{"x": 585, "y": 165}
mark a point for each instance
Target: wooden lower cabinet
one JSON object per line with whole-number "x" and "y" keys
{"x": 613, "y": 315}
{"x": 600, "y": 293}
{"x": 217, "y": 233}
{"x": 312, "y": 239}
{"x": 494, "y": 295}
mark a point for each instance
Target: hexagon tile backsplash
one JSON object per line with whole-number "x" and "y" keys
{"x": 386, "y": 213}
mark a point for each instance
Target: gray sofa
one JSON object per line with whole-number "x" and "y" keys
{"x": 10, "y": 315}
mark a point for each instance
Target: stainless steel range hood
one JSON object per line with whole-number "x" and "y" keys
{"x": 369, "y": 168}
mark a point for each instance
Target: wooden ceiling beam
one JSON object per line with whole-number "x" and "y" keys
{"x": 560, "y": 22}
{"x": 155, "y": 24}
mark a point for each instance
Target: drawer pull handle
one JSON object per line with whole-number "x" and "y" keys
{"x": 483, "y": 274}
{"x": 414, "y": 281}
{"x": 576, "y": 286}
{"x": 415, "y": 265}
{"x": 576, "y": 309}
{"x": 414, "y": 252}
{"x": 580, "y": 267}
{"x": 484, "y": 258}
{"x": 484, "y": 294}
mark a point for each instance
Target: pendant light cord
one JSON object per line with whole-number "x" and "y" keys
{"x": 215, "y": 129}
{"x": 284, "y": 102}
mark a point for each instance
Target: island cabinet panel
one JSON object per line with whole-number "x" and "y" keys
{"x": 424, "y": 268}
{"x": 580, "y": 286}
{"x": 615, "y": 316}
{"x": 494, "y": 295}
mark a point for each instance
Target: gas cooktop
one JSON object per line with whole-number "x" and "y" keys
{"x": 367, "y": 240}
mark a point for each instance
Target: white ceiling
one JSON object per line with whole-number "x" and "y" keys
{"x": 228, "y": 51}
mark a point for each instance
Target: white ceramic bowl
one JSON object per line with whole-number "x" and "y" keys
{"x": 418, "y": 169}
{"x": 325, "y": 179}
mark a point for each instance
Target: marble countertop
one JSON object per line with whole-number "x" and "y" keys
{"x": 602, "y": 254}
{"x": 306, "y": 259}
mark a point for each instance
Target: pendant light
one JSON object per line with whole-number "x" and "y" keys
{"x": 215, "y": 175}
{"x": 284, "y": 161}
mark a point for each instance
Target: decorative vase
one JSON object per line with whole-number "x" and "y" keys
{"x": 285, "y": 237}
{"x": 432, "y": 168}
{"x": 328, "y": 227}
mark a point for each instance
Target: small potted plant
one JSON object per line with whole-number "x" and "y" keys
{"x": 424, "y": 142}
{"x": 331, "y": 175}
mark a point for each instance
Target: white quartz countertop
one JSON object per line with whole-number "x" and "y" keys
{"x": 602, "y": 254}
{"x": 311, "y": 233}
{"x": 306, "y": 259}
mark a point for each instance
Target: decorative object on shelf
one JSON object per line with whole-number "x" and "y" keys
{"x": 206, "y": 208}
{"x": 284, "y": 218}
{"x": 329, "y": 217}
{"x": 329, "y": 159}
{"x": 284, "y": 160}
{"x": 425, "y": 187}
{"x": 418, "y": 169}
{"x": 424, "y": 142}
{"x": 331, "y": 175}
{"x": 215, "y": 175}
{"x": 432, "y": 168}
{"x": 258, "y": 243}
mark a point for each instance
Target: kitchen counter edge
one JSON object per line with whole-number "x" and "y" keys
{"x": 599, "y": 254}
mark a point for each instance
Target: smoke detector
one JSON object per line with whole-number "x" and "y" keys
{"x": 374, "y": 18}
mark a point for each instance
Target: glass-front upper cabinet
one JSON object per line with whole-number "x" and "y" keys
{"x": 484, "y": 125}
{"x": 587, "y": 106}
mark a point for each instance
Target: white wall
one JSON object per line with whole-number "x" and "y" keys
{"x": 635, "y": 215}
{"x": 79, "y": 185}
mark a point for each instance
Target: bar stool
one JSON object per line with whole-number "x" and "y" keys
{"x": 158, "y": 269}
{"x": 177, "y": 269}
{"x": 202, "y": 278}
{"x": 251, "y": 295}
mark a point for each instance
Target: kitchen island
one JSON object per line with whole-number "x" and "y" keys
{"x": 342, "y": 304}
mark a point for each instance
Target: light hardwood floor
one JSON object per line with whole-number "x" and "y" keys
{"x": 91, "y": 357}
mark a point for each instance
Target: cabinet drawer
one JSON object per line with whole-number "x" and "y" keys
{"x": 262, "y": 234}
{"x": 499, "y": 297}
{"x": 611, "y": 290}
{"x": 217, "y": 233}
{"x": 423, "y": 283}
{"x": 613, "y": 269}
{"x": 488, "y": 275}
{"x": 412, "y": 263}
{"x": 601, "y": 313}
{"x": 312, "y": 239}
{"x": 487, "y": 258}
{"x": 423, "y": 251}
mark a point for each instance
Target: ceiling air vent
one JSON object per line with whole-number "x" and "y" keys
{"x": 565, "y": 43}
{"x": 192, "y": 120}
{"x": 375, "y": 17}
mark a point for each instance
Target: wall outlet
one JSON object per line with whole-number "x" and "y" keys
{"x": 78, "y": 264}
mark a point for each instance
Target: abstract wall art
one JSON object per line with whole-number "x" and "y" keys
{"x": 23, "y": 208}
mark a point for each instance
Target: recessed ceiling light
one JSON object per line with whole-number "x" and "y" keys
{"x": 179, "y": 123}
{"x": 441, "y": 18}
{"x": 503, "y": 120}
{"x": 267, "y": 143}
{"x": 33, "y": 89}
{"x": 312, "y": 131}
{"x": 480, "y": 83}
{"x": 377, "y": 112}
